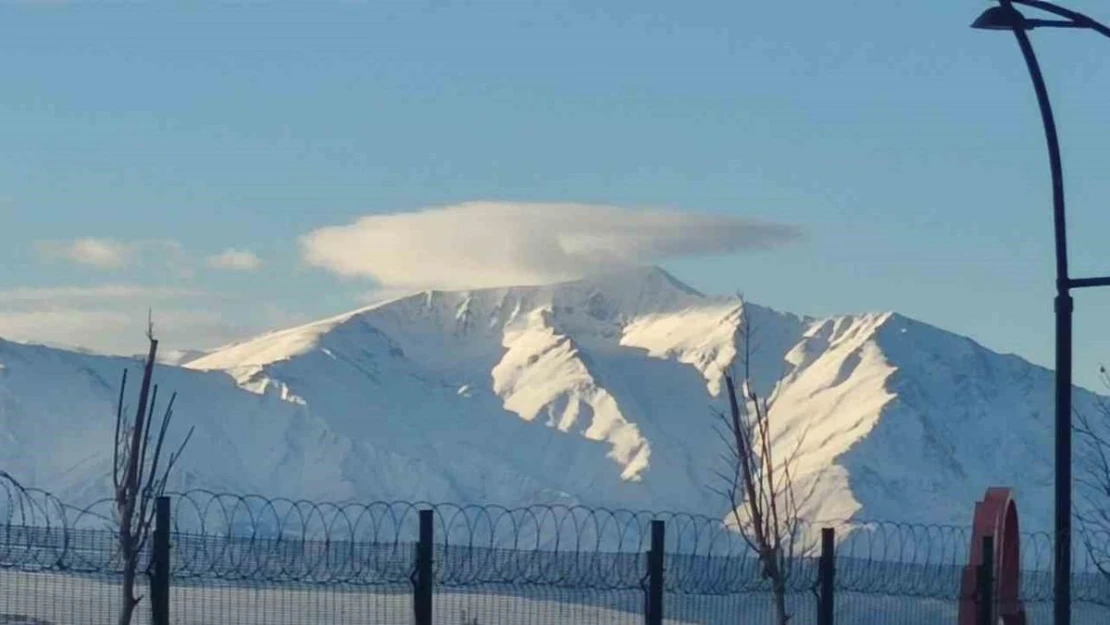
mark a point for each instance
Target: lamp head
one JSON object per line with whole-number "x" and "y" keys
{"x": 1004, "y": 17}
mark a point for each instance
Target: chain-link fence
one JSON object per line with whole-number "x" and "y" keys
{"x": 253, "y": 561}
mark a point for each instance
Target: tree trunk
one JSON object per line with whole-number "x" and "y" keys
{"x": 127, "y": 600}
{"x": 778, "y": 598}
{"x": 127, "y": 607}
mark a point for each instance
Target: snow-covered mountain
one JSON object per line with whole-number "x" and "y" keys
{"x": 596, "y": 392}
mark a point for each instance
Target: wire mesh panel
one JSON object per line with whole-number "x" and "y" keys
{"x": 1090, "y": 592}
{"x": 731, "y": 588}
{"x": 493, "y": 604}
{"x": 289, "y": 580}
{"x": 237, "y": 560}
{"x": 492, "y": 586}
{"x": 288, "y": 603}
{"x": 859, "y": 608}
{"x": 54, "y": 573}
{"x": 755, "y": 607}
{"x": 48, "y": 598}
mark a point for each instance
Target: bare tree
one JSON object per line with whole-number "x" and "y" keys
{"x": 138, "y": 474}
{"x": 1094, "y": 478}
{"x": 758, "y": 484}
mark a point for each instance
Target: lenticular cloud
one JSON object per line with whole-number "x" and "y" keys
{"x": 487, "y": 244}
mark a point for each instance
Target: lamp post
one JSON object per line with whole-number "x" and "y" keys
{"x": 1006, "y": 17}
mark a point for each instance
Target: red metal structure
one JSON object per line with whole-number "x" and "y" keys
{"x": 995, "y": 516}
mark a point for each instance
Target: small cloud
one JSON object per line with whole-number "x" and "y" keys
{"x": 235, "y": 260}
{"x": 166, "y": 255}
{"x": 486, "y": 244}
{"x": 90, "y": 251}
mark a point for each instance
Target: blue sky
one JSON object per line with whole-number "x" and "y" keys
{"x": 906, "y": 146}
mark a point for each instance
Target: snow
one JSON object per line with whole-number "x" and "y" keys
{"x": 542, "y": 371}
{"x": 598, "y": 392}
{"x": 179, "y": 357}
{"x": 836, "y": 369}
{"x": 58, "y": 599}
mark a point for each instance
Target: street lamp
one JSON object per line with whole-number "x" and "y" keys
{"x": 1006, "y": 17}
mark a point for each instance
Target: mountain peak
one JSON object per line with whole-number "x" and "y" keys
{"x": 644, "y": 283}
{"x": 616, "y": 296}
{"x": 591, "y": 391}
{"x": 626, "y": 292}
{"x": 650, "y": 277}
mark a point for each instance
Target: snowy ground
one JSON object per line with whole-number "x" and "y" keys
{"x": 58, "y": 599}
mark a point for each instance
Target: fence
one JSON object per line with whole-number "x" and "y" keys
{"x": 223, "y": 559}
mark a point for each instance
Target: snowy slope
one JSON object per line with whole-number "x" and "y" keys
{"x": 596, "y": 392}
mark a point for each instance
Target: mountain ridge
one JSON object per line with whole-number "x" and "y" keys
{"x": 595, "y": 391}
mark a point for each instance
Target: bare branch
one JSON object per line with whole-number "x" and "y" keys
{"x": 138, "y": 477}
{"x": 758, "y": 485}
{"x": 119, "y": 425}
{"x": 146, "y": 435}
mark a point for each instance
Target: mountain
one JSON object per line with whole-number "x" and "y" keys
{"x": 179, "y": 357}
{"x": 598, "y": 392}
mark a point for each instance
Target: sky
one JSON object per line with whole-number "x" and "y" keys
{"x": 244, "y": 166}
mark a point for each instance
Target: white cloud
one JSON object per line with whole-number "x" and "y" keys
{"x": 112, "y": 254}
{"x": 483, "y": 244}
{"x": 164, "y": 255}
{"x": 91, "y": 251}
{"x": 235, "y": 260}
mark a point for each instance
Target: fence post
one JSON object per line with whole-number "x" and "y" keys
{"x": 160, "y": 564}
{"x": 422, "y": 579}
{"x": 826, "y": 576}
{"x": 653, "y": 605}
{"x": 986, "y": 583}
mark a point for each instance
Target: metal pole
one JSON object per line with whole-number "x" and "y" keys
{"x": 986, "y": 583}
{"x": 826, "y": 577}
{"x": 160, "y": 574}
{"x": 1063, "y": 306}
{"x": 653, "y": 614}
{"x": 422, "y": 578}
{"x": 1062, "y": 561}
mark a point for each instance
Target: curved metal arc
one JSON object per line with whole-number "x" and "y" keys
{"x": 1076, "y": 17}
{"x": 1052, "y": 141}
{"x": 1062, "y": 565}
